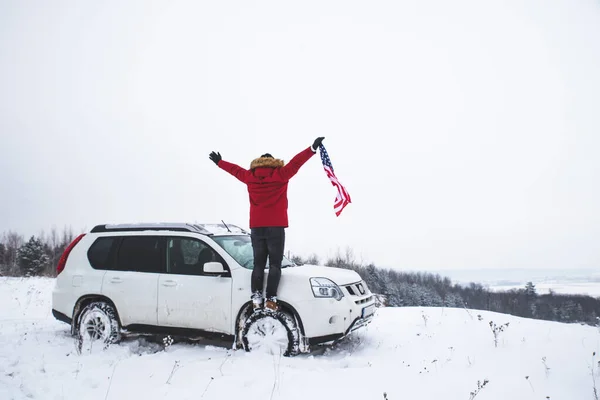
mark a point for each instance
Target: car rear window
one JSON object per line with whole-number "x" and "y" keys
{"x": 99, "y": 253}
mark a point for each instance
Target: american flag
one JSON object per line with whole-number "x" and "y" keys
{"x": 343, "y": 197}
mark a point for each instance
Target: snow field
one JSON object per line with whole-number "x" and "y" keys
{"x": 414, "y": 353}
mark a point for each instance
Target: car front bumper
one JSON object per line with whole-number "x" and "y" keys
{"x": 329, "y": 320}
{"x": 357, "y": 324}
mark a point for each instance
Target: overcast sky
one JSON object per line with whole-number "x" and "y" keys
{"x": 467, "y": 134}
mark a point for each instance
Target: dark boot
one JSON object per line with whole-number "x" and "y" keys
{"x": 271, "y": 304}
{"x": 257, "y": 301}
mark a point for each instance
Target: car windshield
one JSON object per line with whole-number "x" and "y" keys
{"x": 240, "y": 248}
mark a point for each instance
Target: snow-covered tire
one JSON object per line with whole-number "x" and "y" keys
{"x": 275, "y": 332}
{"x": 98, "y": 322}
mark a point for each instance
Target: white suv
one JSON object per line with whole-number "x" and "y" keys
{"x": 194, "y": 280}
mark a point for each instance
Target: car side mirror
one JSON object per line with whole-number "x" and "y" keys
{"x": 214, "y": 268}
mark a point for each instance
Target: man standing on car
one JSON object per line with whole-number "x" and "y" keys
{"x": 267, "y": 182}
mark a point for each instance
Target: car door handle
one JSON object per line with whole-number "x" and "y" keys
{"x": 116, "y": 280}
{"x": 169, "y": 283}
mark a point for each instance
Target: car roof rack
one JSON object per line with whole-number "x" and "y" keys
{"x": 204, "y": 229}
{"x": 180, "y": 227}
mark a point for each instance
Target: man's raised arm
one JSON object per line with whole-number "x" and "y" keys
{"x": 240, "y": 173}
{"x": 291, "y": 168}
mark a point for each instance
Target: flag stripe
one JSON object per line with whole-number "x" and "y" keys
{"x": 342, "y": 199}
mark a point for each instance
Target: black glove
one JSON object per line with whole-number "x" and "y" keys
{"x": 317, "y": 142}
{"x": 215, "y": 157}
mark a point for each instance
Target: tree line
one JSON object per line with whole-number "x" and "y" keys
{"x": 419, "y": 289}
{"x": 39, "y": 256}
{"x": 36, "y": 256}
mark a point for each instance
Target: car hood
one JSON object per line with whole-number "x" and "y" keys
{"x": 338, "y": 275}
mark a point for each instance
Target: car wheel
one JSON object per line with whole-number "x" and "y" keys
{"x": 272, "y": 332}
{"x": 98, "y": 322}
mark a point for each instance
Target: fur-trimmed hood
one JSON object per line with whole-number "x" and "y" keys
{"x": 266, "y": 162}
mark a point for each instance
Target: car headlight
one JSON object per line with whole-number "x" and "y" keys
{"x": 326, "y": 288}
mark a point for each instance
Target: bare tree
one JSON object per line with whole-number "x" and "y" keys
{"x": 67, "y": 236}
{"x": 53, "y": 237}
{"x": 349, "y": 257}
{"x": 42, "y": 237}
{"x": 47, "y": 267}
{"x": 53, "y": 242}
{"x": 3, "y": 267}
{"x": 13, "y": 242}
{"x": 313, "y": 259}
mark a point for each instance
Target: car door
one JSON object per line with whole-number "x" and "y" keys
{"x": 187, "y": 296}
{"x": 132, "y": 284}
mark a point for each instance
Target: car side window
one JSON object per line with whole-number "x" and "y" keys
{"x": 187, "y": 256}
{"x": 141, "y": 254}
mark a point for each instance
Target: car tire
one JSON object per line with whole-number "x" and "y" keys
{"x": 98, "y": 322}
{"x": 275, "y": 332}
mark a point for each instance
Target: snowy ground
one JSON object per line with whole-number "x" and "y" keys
{"x": 408, "y": 353}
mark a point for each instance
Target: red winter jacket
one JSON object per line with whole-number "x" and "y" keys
{"x": 267, "y": 182}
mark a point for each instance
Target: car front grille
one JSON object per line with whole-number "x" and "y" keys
{"x": 359, "y": 289}
{"x": 365, "y": 300}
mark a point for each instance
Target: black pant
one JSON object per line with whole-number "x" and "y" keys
{"x": 267, "y": 241}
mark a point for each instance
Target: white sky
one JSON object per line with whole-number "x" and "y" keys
{"x": 466, "y": 133}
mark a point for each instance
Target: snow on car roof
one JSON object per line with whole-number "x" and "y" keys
{"x": 222, "y": 229}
